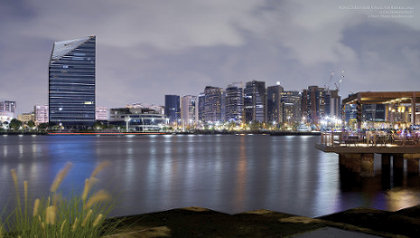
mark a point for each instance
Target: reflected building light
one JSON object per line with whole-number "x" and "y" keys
{"x": 166, "y": 174}
{"x": 34, "y": 172}
{"x": 168, "y": 150}
{"x": 399, "y": 199}
{"x": 153, "y": 150}
{"x": 304, "y": 137}
{"x": 34, "y": 148}
{"x": 327, "y": 201}
{"x": 241, "y": 176}
{"x": 129, "y": 171}
{"x": 21, "y": 150}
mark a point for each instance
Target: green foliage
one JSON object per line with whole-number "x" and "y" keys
{"x": 31, "y": 124}
{"x": 97, "y": 126}
{"x": 43, "y": 126}
{"x": 255, "y": 126}
{"x": 231, "y": 125}
{"x": 15, "y": 124}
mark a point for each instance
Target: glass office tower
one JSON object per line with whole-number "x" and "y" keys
{"x": 213, "y": 103}
{"x": 274, "y": 104}
{"x": 72, "y": 83}
{"x": 234, "y": 103}
{"x": 173, "y": 108}
{"x": 255, "y": 102}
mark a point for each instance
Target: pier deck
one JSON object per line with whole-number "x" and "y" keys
{"x": 357, "y": 154}
{"x": 367, "y": 149}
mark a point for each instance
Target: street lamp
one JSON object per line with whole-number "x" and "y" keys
{"x": 127, "y": 121}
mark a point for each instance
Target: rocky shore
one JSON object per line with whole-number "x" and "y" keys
{"x": 202, "y": 222}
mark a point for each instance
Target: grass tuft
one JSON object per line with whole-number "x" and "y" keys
{"x": 55, "y": 216}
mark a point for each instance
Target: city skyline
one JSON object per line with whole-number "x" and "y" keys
{"x": 179, "y": 48}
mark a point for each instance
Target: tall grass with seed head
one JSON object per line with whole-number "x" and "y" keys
{"x": 55, "y": 216}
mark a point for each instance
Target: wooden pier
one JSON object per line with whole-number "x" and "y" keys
{"x": 356, "y": 152}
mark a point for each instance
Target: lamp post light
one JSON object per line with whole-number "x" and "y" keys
{"x": 127, "y": 121}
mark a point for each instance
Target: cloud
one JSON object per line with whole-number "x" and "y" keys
{"x": 148, "y": 48}
{"x": 167, "y": 25}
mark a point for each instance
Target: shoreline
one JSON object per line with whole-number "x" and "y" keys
{"x": 203, "y": 222}
{"x": 270, "y": 133}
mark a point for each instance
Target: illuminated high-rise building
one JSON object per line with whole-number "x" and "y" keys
{"x": 102, "y": 114}
{"x": 234, "y": 103}
{"x": 313, "y": 104}
{"x": 291, "y": 107}
{"x": 274, "y": 104}
{"x": 213, "y": 103}
{"x": 255, "y": 102}
{"x": 41, "y": 114}
{"x": 72, "y": 83}
{"x": 7, "y": 111}
{"x": 188, "y": 110}
{"x": 200, "y": 108}
{"x": 172, "y": 108}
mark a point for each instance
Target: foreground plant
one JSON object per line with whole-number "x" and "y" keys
{"x": 54, "y": 216}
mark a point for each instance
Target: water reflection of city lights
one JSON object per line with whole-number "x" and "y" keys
{"x": 399, "y": 199}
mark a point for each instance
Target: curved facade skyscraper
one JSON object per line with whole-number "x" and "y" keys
{"x": 72, "y": 83}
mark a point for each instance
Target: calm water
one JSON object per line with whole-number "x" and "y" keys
{"x": 226, "y": 173}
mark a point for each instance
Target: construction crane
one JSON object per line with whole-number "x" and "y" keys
{"x": 337, "y": 83}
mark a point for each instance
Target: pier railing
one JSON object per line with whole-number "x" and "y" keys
{"x": 370, "y": 138}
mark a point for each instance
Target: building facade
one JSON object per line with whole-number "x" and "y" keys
{"x": 26, "y": 117}
{"x": 188, "y": 110}
{"x": 350, "y": 112}
{"x": 72, "y": 81}
{"x": 41, "y": 114}
{"x": 213, "y": 103}
{"x": 313, "y": 104}
{"x": 8, "y": 106}
{"x": 332, "y": 104}
{"x": 374, "y": 112}
{"x": 102, "y": 114}
{"x": 234, "y": 103}
{"x": 255, "y": 102}
{"x": 200, "y": 108}
{"x": 173, "y": 108}
{"x": 291, "y": 107}
{"x": 7, "y": 110}
{"x": 137, "y": 119}
{"x": 274, "y": 104}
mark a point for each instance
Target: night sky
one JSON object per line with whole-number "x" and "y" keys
{"x": 146, "y": 49}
